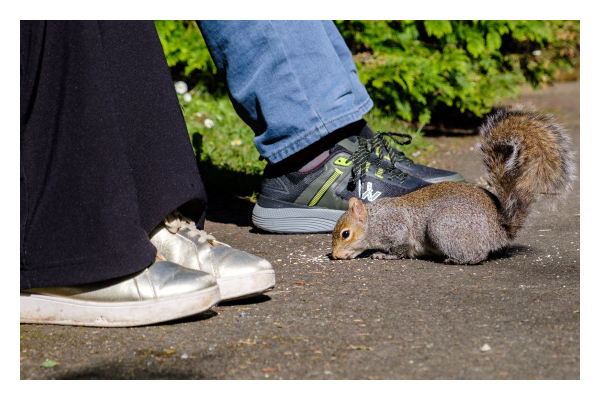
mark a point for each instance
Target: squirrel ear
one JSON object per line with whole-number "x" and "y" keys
{"x": 358, "y": 209}
{"x": 351, "y": 203}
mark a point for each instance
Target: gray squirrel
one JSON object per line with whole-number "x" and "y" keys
{"x": 524, "y": 153}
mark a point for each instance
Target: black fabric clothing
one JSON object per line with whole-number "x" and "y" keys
{"x": 105, "y": 153}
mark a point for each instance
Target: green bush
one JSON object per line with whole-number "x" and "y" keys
{"x": 413, "y": 68}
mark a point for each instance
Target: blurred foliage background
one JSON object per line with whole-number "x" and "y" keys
{"x": 416, "y": 72}
{"x": 415, "y": 68}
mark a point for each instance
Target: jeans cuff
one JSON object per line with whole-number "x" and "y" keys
{"x": 321, "y": 132}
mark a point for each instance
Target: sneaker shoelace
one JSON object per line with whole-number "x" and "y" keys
{"x": 376, "y": 145}
{"x": 175, "y": 222}
{"x": 394, "y": 154}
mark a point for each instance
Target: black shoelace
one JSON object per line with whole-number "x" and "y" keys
{"x": 376, "y": 145}
{"x": 395, "y": 155}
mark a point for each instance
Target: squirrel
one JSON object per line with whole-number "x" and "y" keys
{"x": 524, "y": 153}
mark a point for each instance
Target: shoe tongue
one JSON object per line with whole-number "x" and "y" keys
{"x": 366, "y": 132}
{"x": 360, "y": 128}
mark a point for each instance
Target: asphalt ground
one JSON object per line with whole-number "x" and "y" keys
{"x": 510, "y": 318}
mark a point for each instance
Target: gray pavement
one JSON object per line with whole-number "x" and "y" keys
{"x": 510, "y": 318}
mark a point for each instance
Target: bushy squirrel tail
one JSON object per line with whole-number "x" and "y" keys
{"x": 525, "y": 153}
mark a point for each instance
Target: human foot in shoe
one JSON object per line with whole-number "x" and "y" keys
{"x": 162, "y": 292}
{"x": 310, "y": 198}
{"x": 239, "y": 274}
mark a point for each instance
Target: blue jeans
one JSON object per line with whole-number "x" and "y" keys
{"x": 292, "y": 82}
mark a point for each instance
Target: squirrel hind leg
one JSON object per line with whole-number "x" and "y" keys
{"x": 499, "y": 253}
{"x": 452, "y": 261}
{"x": 464, "y": 240}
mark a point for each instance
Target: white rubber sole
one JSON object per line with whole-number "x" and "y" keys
{"x": 295, "y": 220}
{"x": 43, "y": 309}
{"x": 248, "y": 285}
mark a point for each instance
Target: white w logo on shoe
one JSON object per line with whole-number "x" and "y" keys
{"x": 368, "y": 194}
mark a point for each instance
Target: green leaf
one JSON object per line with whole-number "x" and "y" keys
{"x": 437, "y": 28}
{"x": 494, "y": 40}
{"x": 403, "y": 110}
{"x": 49, "y": 364}
{"x": 475, "y": 43}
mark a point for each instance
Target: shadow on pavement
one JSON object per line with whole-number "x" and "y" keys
{"x": 228, "y": 191}
{"x": 241, "y": 302}
{"x": 227, "y": 208}
{"x": 204, "y": 316}
{"x": 115, "y": 370}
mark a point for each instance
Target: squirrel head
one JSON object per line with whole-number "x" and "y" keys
{"x": 350, "y": 232}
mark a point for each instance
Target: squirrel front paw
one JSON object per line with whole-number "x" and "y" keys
{"x": 383, "y": 256}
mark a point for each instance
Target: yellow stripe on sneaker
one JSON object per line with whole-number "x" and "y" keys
{"x": 324, "y": 188}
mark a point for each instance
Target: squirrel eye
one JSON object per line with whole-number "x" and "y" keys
{"x": 345, "y": 234}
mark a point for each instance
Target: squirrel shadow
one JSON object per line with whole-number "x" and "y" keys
{"x": 516, "y": 250}
{"x": 508, "y": 253}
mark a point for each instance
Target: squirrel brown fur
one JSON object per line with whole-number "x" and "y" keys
{"x": 524, "y": 153}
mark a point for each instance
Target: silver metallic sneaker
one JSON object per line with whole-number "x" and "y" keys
{"x": 238, "y": 273}
{"x": 162, "y": 292}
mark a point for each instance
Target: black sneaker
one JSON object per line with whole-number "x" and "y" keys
{"x": 312, "y": 199}
{"x": 402, "y": 162}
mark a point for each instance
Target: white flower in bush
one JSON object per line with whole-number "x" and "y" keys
{"x": 181, "y": 87}
{"x": 236, "y": 142}
{"x": 537, "y": 53}
{"x": 187, "y": 97}
{"x": 209, "y": 123}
